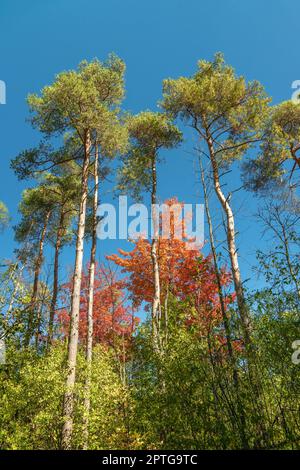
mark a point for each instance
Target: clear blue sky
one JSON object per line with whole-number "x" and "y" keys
{"x": 157, "y": 39}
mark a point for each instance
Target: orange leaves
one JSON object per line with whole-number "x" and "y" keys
{"x": 114, "y": 321}
{"x": 184, "y": 272}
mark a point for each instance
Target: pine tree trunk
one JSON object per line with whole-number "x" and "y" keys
{"x": 37, "y": 270}
{"x": 236, "y": 274}
{"x": 89, "y": 341}
{"x": 235, "y": 375}
{"x": 253, "y": 369}
{"x": 75, "y": 305}
{"x": 55, "y": 277}
{"x": 156, "y": 307}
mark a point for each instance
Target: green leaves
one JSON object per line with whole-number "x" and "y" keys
{"x": 31, "y": 400}
{"x": 197, "y": 392}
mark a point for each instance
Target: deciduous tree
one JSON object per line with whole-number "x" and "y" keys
{"x": 149, "y": 132}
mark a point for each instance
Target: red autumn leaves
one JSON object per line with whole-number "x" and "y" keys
{"x": 185, "y": 273}
{"x": 113, "y": 318}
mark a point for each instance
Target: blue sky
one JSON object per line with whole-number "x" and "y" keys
{"x": 157, "y": 39}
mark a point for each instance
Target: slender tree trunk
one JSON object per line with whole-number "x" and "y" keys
{"x": 235, "y": 374}
{"x": 55, "y": 276}
{"x": 89, "y": 341}
{"x": 236, "y": 274}
{"x": 37, "y": 271}
{"x": 253, "y": 368}
{"x": 75, "y": 305}
{"x": 156, "y": 306}
{"x": 216, "y": 267}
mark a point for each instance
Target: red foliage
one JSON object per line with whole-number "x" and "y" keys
{"x": 184, "y": 272}
{"x": 114, "y": 322}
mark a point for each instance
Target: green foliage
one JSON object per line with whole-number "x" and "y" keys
{"x": 149, "y": 133}
{"x": 193, "y": 401}
{"x": 192, "y": 394}
{"x": 152, "y": 131}
{"x": 80, "y": 99}
{"x": 34, "y": 206}
{"x": 31, "y": 396}
{"x": 4, "y": 216}
{"x": 84, "y": 101}
{"x": 31, "y": 390}
{"x": 14, "y": 300}
{"x": 277, "y": 159}
{"x": 215, "y": 101}
{"x": 282, "y": 132}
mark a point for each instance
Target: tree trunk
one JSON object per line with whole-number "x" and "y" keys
{"x": 156, "y": 307}
{"x": 89, "y": 340}
{"x": 294, "y": 149}
{"x": 236, "y": 274}
{"x": 55, "y": 277}
{"x": 253, "y": 369}
{"x": 235, "y": 375}
{"x": 75, "y": 305}
{"x": 37, "y": 271}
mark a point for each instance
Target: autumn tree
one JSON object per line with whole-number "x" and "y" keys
{"x": 185, "y": 274}
{"x": 149, "y": 133}
{"x": 112, "y": 316}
